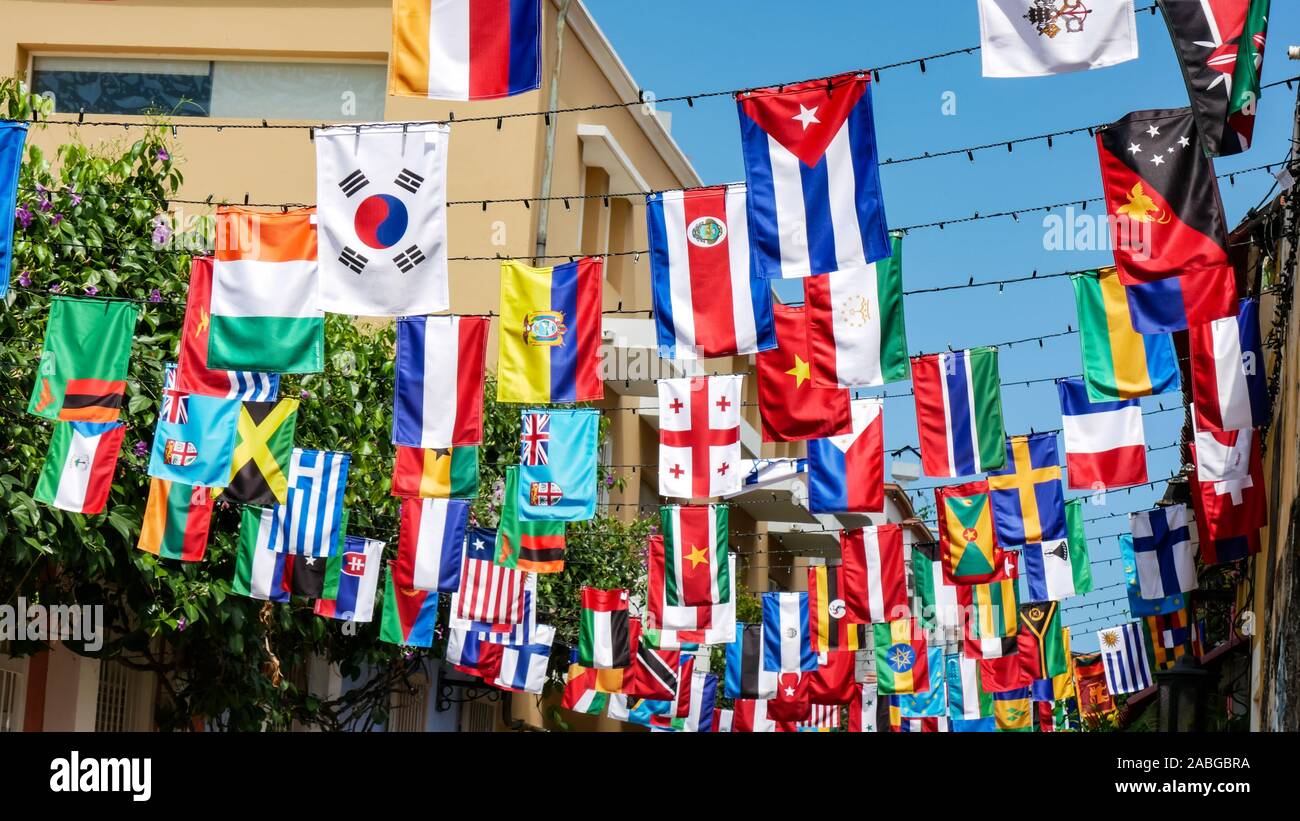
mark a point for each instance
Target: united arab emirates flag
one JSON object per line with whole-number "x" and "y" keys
{"x": 176, "y": 521}
{"x": 1163, "y": 198}
{"x": 603, "y": 632}
{"x": 1220, "y": 44}
{"x": 82, "y": 374}
{"x": 79, "y": 467}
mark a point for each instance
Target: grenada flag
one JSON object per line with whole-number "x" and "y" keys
{"x": 969, "y": 545}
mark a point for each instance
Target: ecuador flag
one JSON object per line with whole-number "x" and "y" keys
{"x": 549, "y": 343}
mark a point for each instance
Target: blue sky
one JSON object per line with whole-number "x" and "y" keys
{"x": 675, "y": 47}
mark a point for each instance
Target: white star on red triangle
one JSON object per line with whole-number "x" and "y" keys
{"x": 806, "y": 116}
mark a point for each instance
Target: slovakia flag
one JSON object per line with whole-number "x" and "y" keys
{"x": 815, "y": 205}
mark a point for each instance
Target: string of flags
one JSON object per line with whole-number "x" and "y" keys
{"x": 901, "y": 634}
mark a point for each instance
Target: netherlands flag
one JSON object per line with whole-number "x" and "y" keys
{"x": 815, "y": 204}
{"x": 431, "y": 544}
{"x": 1105, "y": 446}
{"x": 706, "y": 302}
{"x": 435, "y": 353}
{"x": 465, "y": 49}
{"x": 846, "y": 474}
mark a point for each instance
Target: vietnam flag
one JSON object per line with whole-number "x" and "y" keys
{"x": 1163, "y": 197}
{"x": 792, "y": 408}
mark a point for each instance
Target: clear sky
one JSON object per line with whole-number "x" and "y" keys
{"x": 675, "y": 47}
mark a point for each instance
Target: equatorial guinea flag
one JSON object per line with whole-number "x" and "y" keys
{"x": 855, "y": 324}
{"x": 875, "y": 574}
{"x": 959, "y": 412}
{"x": 694, "y": 554}
{"x": 846, "y": 474}
{"x": 176, "y": 521}
{"x": 1229, "y": 382}
{"x": 465, "y": 49}
{"x": 1105, "y": 446}
{"x": 815, "y": 202}
{"x": 431, "y": 544}
{"x": 438, "y": 390}
{"x": 706, "y": 302}
{"x": 79, "y": 466}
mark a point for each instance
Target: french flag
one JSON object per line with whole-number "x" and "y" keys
{"x": 706, "y": 303}
{"x": 435, "y": 353}
{"x": 811, "y": 166}
{"x": 431, "y": 544}
{"x": 846, "y": 474}
{"x": 1228, "y": 379}
{"x": 465, "y": 49}
{"x": 1105, "y": 445}
{"x": 1176, "y": 303}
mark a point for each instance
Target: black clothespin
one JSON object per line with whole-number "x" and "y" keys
{"x": 690, "y": 102}
{"x": 498, "y": 123}
{"x": 1049, "y": 140}
{"x": 81, "y": 116}
{"x": 970, "y": 155}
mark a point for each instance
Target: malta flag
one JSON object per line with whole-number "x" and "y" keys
{"x": 791, "y": 406}
{"x": 699, "y": 436}
{"x": 1229, "y": 383}
{"x": 1105, "y": 446}
{"x": 465, "y": 49}
{"x": 815, "y": 202}
{"x": 959, "y": 412}
{"x": 855, "y": 324}
{"x": 749, "y": 715}
{"x": 431, "y": 544}
{"x": 438, "y": 392}
{"x": 846, "y": 474}
{"x": 875, "y": 575}
{"x": 381, "y": 194}
{"x": 706, "y": 302}
{"x": 1162, "y": 196}
{"x": 693, "y": 551}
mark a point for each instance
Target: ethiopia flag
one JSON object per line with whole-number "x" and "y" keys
{"x": 971, "y": 554}
{"x": 902, "y": 666}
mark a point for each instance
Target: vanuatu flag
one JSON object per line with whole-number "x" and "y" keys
{"x": 441, "y": 473}
{"x": 1119, "y": 362}
{"x": 82, "y": 373}
{"x": 967, "y": 540}
{"x": 409, "y": 614}
{"x": 176, "y": 521}
{"x": 549, "y": 349}
{"x": 902, "y": 665}
{"x": 1042, "y": 643}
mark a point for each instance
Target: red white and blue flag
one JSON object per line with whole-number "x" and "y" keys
{"x": 175, "y": 402}
{"x": 1176, "y": 303}
{"x": 1105, "y": 446}
{"x": 536, "y": 438}
{"x": 1228, "y": 379}
{"x": 846, "y": 474}
{"x": 811, "y": 167}
{"x": 706, "y": 302}
{"x": 465, "y": 49}
{"x": 438, "y": 381}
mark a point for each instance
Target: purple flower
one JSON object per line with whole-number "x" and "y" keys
{"x": 304, "y": 394}
{"x": 56, "y": 288}
{"x": 91, "y": 290}
{"x": 24, "y": 215}
{"x": 24, "y": 279}
{"x": 74, "y": 197}
{"x": 45, "y": 204}
{"x": 181, "y": 623}
{"x": 163, "y": 156}
{"x": 161, "y": 232}
{"x": 654, "y": 529}
{"x": 155, "y": 295}
{"x": 56, "y": 219}
{"x": 140, "y": 449}
{"x": 609, "y": 480}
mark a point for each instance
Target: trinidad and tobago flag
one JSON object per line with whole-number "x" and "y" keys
{"x": 1162, "y": 197}
{"x": 1220, "y": 44}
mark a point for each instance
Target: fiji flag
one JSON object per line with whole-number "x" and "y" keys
{"x": 787, "y": 636}
{"x": 815, "y": 204}
{"x": 557, "y": 465}
{"x": 194, "y": 442}
{"x": 549, "y": 345}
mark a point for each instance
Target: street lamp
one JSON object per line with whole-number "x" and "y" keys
{"x": 1183, "y": 691}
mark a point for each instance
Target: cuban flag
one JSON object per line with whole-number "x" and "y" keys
{"x": 815, "y": 204}
{"x": 1162, "y": 552}
{"x": 465, "y": 49}
{"x": 846, "y": 474}
{"x": 706, "y": 303}
{"x": 787, "y": 637}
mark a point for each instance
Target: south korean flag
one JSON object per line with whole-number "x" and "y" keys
{"x": 381, "y": 195}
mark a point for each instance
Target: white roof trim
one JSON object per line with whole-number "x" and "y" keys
{"x": 601, "y": 150}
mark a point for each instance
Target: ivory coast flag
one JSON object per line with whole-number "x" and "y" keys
{"x": 902, "y": 666}
{"x": 79, "y": 467}
{"x": 441, "y": 473}
{"x": 1119, "y": 362}
{"x": 264, "y": 282}
{"x": 549, "y": 342}
{"x": 176, "y": 521}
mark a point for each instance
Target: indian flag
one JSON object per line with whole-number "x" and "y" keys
{"x": 264, "y": 283}
{"x": 79, "y": 466}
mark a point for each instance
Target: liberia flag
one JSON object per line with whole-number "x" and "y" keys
{"x": 791, "y": 406}
{"x": 699, "y": 436}
{"x": 815, "y": 202}
{"x": 488, "y": 592}
{"x": 1162, "y": 196}
{"x": 465, "y": 49}
{"x": 1229, "y": 383}
{"x": 706, "y": 302}
{"x": 1105, "y": 446}
{"x": 438, "y": 381}
{"x": 694, "y": 555}
{"x": 846, "y": 474}
{"x": 875, "y": 576}
{"x": 959, "y": 412}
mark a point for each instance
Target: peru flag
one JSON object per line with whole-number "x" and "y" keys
{"x": 875, "y": 575}
{"x": 750, "y": 716}
{"x": 815, "y": 204}
{"x": 1105, "y": 446}
{"x": 1229, "y": 385}
{"x": 465, "y": 49}
{"x": 435, "y": 353}
{"x": 706, "y": 302}
{"x": 846, "y": 474}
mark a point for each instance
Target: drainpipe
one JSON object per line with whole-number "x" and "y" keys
{"x": 548, "y": 157}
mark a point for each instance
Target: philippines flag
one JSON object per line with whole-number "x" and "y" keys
{"x": 1162, "y": 551}
{"x": 1228, "y": 379}
{"x": 846, "y": 474}
{"x": 815, "y": 204}
{"x": 1105, "y": 446}
{"x": 465, "y": 49}
{"x": 431, "y": 544}
{"x": 706, "y": 302}
{"x": 787, "y": 637}
{"x": 438, "y": 381}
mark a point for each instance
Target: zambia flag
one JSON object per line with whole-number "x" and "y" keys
{"x": 902, "y": 665}
{"x": 263, "y": 447}
{"x": 966, "y": 536}
{"x": 82, "y": 373}
{"x": 522, "y": 544}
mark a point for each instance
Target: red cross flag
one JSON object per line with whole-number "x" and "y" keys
{"x": 699, "y": 436}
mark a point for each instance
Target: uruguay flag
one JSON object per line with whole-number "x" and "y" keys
{"x": 846, "y": 474}
{"x": 815, "y": 204}
{"x": 787, "y": 638}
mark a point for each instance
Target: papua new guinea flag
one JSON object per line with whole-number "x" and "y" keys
{"x": 1162, "y": 196}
